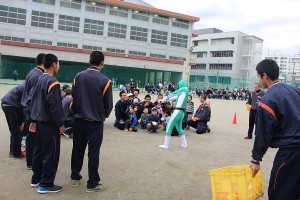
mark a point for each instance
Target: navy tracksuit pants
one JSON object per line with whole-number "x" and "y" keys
{"x": 91, "y": 133}
{"x": 200, "y": 126}
{"x": 252, "y": 119}
{"x": 45, "y": 154}
{"x": 29, "y": 144}
{"x": 285, "y": 175}
{"x": 14, "y": 118}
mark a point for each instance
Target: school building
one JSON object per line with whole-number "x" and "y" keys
{"x": 220, "y": 59}
{"x": 138, "y": 40}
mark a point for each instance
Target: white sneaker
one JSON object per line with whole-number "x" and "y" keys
{"x": 183, "y": 146}
{"x": 34, "y": 185}
{"x": 163, "y": 147}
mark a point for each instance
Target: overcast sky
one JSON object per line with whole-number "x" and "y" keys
{"x": 277, "y": 22}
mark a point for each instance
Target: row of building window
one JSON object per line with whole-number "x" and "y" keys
{"x": 215, "y": 54}
{"x": 88, "y": 47}
{"x": 214, "y": 42}
{"x": 202, "y": 66}
{"x": 118, "y": 11}
{"x": 211, "y": 79}
{"x": 199, "y": 66}
{"x": 220, "y": 66}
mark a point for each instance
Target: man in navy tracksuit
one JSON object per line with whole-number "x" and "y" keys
{"x": 47, "y": 119}
{"x": 11, "y": 106}
{"x": 31, "y": 79}
{"x": 120, "y": 111}
{"x": 254, "y": 99}
{"x": 201, "y": 117}
{"x": 278, "y": 126}
{"x": 92, "y": 104}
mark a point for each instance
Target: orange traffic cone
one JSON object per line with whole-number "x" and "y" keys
{"x": 234, "y": 119}
{"x": 209, "y": 103}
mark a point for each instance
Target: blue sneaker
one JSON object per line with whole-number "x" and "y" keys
{"x": 53, "y": 189}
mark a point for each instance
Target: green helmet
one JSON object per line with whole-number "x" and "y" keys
{"x": 182, "y": 83}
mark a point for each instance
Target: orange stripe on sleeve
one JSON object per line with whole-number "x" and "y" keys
{"x": 74, "y": 81}
{"x": 52, "y": 85}
{"x": 267, "y": 108}
{"x": 106, "y": 87}
{"x": 71, "y": 104}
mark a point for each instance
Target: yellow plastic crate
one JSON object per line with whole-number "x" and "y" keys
{"x": 236, "y": 183}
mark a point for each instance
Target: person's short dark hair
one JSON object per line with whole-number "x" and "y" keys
{"x": 147, "y": 96}
{"x": 65, "y": 87}
{"x": 203, "y": 97}
{"x": 39, "y": 59}
{"x": 168, "y": 112}
{"x": 68, "y": 91}
{"x": 137, "y": 90}
{"x": 49, "y": 59}
{"x": 122, "y": 92}
{"x": 268, "y": 67}
{"x": 191, "y": 96}
{"x": 96, "y": 58}
{"x": 160, "y": 94}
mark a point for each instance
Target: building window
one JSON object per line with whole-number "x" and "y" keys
{"x": 200, "y": 42}
{"x": 12, "y": 15}
{"x": 139, "y": 34}
{"x": 116, "y": 30}
{"x": 197, "y": 78}
{"x": 222, "y": 41}
{"x": 75, "y": 4}
{"x": 10, "y": 38}
{"x": 138, "y": 53}
{"x": 139, "y": 15}
{"x": 157, "y": 55}
{"x": 42, "y": 19}
{"x": 180, "y": 23}
{"x": 221, "y": 54}
{"x": 116, "y": 11}
{"x": 220, "y": 66}
{"x": 93, "y": 27}
{"x": 50, "y": 2}
{"x": 220, "y": 79}
{"x": 64, "y": 44}
{"x": 159, "y": 37}
{"x": 160, "y": 19}
{"x": 40, "y": 42}
{"x": 95, "y": 7}
{"x": 115, "y": 50}
{"x": 178, "y": 40}
{"x": 177, "y": 58}
{"x": 68, "y": 23}
{"x": 94, "y": 48}
{"x": 199, "y": 66}
{"x": 201, "y": 54}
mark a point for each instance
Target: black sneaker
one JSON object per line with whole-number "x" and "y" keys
{"x": 53, "y": 189}
{"x": 29, "y": 167}
{"x": 208, "y": 130}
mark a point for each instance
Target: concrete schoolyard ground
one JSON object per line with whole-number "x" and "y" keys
{"x": 133, "y": 167}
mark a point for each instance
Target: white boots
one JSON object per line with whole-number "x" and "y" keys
{"x": 167, "y": 141}
{"x": 183, "y": 141}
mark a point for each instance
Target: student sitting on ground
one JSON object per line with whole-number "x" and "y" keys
{"x": 144, "y": 118}
{"x": 153, "y": 121}
{"x": 132, "y": 121}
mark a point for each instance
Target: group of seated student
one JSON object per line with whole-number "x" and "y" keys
{"x": 131, "y": 112}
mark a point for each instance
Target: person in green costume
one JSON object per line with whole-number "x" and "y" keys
{"x": 181, "y": 97}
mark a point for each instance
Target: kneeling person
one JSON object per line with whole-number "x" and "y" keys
{"x": 201, "y": 117}
{"x": 132, "y": 121}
